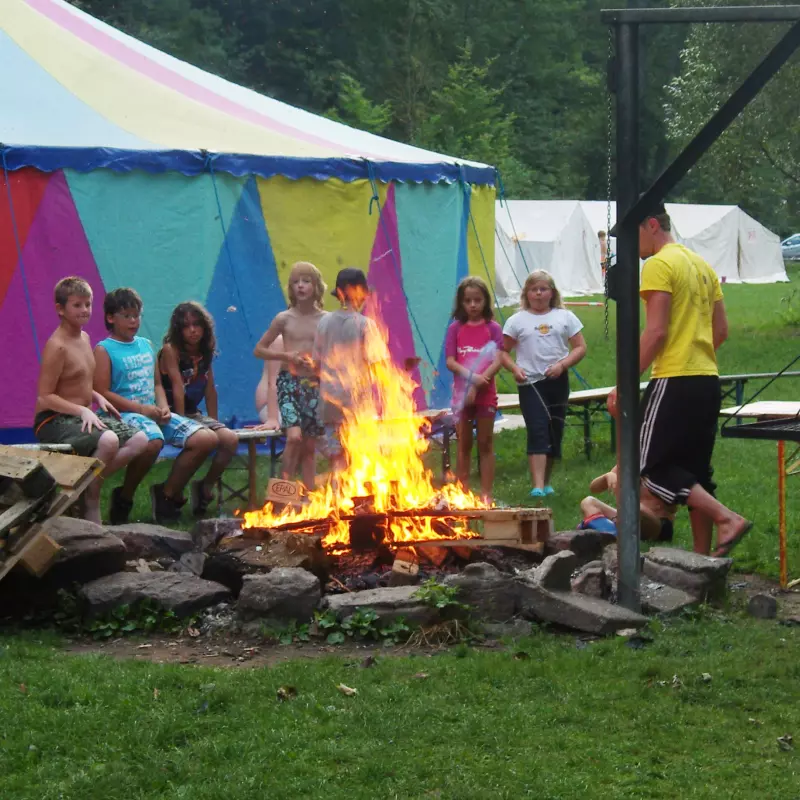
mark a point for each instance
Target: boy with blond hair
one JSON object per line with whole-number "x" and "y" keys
{"x": 64, "y": 394}
{"x": 297, "y": 383}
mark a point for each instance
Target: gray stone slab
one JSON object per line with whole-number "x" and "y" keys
{"x": 573, "y": 610}
{"x": 659, "y": 598}
{"x": 389, "y": 604}
{"x": 183, "y": 594}
{"x": 286, "y": 593}
{"x": 143, "y": 540}
{"x": 491, "y": 594}
{"x": 699, "y": 585}
{"x": 89, "y": 551}
{"x": 591, "y": 580}
{"x": 555, "y": 572}
{"x": 689, "y": 562}
{"x": 763, "y": 606}
{"x": 587, "y": 545}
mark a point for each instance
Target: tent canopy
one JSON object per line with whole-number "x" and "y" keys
{"x": 109, "y": 92}
{"x": 738, "y": 247}
{"x": 131, "y": 168}
{"x": 553, "y": 235}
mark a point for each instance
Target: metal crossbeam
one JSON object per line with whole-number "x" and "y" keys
{"x": 653, "y": 16}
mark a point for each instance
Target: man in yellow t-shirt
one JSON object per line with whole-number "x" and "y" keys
{"x": 685, "y": 323}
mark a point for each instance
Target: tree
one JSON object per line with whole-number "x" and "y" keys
{"x": 755, "y": 164}
{"x": 354, "y": 108}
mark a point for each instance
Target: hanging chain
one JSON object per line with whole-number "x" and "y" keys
{"x": 609, "y": 154}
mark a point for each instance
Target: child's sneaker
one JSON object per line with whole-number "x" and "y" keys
{"x": 119, "y": 508}
{"x": 164, "y": 508}
{"x": 548, "y": 490}
{"x": 200, "y": 500}
{"x": 537, "y": 492}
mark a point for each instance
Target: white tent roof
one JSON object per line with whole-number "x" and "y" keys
{"x": 553, "y": 235}
{"x": 738, "y": 247}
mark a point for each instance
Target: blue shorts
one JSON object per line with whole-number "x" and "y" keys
{"x": 176, "y": 432}
{"x": 329, "y": 443}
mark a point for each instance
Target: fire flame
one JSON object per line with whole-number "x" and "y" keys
{"x": 384, "y": 447}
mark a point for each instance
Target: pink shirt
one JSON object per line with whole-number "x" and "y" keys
{"x": 464, "y": 342}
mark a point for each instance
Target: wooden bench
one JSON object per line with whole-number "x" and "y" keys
{"x": 248, "y": 493}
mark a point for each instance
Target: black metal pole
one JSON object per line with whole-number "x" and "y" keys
{"x": 628, "y": 314}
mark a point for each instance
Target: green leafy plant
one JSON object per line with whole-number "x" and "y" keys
{"x": 442, "y": 598}
{"x": 146, "y": 616}
{"x": 295, "y": 632}
{"x": 362, "y": 623}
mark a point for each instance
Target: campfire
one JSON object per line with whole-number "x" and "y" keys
{"x": 385, "y": 494}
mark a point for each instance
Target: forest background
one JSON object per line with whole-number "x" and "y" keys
{"x": 520, "y": 84}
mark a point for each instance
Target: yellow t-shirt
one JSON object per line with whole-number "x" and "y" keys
{"x": 694, "y": 286}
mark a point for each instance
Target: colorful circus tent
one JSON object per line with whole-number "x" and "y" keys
{"x": 132, "y": 168}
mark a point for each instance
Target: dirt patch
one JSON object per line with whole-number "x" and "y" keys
{"x": 743, "y": 586}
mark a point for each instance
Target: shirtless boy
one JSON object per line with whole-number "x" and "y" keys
{"x": 64, "y": 396}
{"x": 297, "y": 382}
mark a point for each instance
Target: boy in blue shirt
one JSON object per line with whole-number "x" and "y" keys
{"x": 126, "y": 376}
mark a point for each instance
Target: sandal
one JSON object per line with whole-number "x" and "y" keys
{"x": 200, "y": 501}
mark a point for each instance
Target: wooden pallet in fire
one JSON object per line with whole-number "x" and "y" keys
{"x": 36, "y": 485}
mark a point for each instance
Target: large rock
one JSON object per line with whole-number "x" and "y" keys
{"x": 659, "y": 598}
{"x": 207, "y": 532}
{"x": 574, "y": 610}
{"x": 586, "y": 545}
{"x": 284, "y": 594}
{"x": 183, "y": 594}
{"x": 88, "y": 551}
{"x": 555, "y": 572}
{"x": 690, "y": 562}
{"x": 491, "y": 594}
{"x": 153, "y": 541}
{"x": 591, "y": 580}
{"x": 389, "y": 604}
{"x": 763, "y": 606}
{"x": 701, "y": 576}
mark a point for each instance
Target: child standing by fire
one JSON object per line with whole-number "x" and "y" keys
{"x": 297, "y": 383}
{"x": 187, "y": 376}
{"x": 347, "y": 347}
{"x": 548, "y": 341}
{"x": 473, "y": 346}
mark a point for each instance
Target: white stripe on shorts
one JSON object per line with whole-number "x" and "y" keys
{"x": 650, "y": 415}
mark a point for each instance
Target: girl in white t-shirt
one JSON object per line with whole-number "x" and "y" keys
{"x": 548, "y": 341}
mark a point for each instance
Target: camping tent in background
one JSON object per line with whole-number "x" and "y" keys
{"x": 125, "y": 165}
{"x": 554, "y": 235}
{"x": 739, "y": 248}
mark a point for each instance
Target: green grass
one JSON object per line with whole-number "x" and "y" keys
{"x": 548, "y": 717}
{"x": 599, "y": 720}
{"x": 761, "y": 340}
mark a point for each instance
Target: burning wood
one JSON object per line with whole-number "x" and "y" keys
{"x": 385, "y": 494}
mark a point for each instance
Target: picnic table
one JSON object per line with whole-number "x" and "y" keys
{"x": 586, "y": 404}
{"x": 775, "y": 420}
{"x": 249, "y": 491}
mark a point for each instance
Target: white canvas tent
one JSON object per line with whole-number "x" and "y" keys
{"x": 738, "y": 247}
{"x": 554, "y": 235}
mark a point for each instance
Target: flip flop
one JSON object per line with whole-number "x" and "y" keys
{"x": 723, "y": 550}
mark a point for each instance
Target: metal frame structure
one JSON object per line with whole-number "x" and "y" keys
{"x": 632, "y": 209}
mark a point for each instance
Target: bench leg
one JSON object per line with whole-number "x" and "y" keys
{"x": 587, "y": 432}
{"x": 251, "y": 475}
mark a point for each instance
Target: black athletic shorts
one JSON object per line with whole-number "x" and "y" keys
{"x": 679, "y": 426}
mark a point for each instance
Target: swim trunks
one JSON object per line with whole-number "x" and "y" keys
{"x": 298, "y": 401}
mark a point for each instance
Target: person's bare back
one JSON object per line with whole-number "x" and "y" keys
{"x": 68, "y": 367}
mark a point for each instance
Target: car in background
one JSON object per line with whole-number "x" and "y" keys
{"x": 791, "y": 248}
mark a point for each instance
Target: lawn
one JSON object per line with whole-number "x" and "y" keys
{"x": 694, "y": 709}
{"x": 699, "y": 708}
{"x": 761, "y": 340}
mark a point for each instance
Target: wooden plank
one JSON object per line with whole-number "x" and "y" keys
{"x": 30, "y": 475}
{"x": 39, "y": 554}
{"x": 68, "y": 470}
{"x": 20, "y": 513}
{"x": 764, "y": 409}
